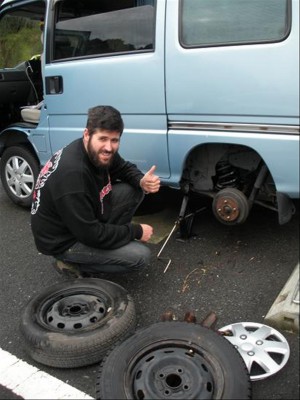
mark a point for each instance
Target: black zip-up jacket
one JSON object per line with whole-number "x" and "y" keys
{"x": 71, "y": 202}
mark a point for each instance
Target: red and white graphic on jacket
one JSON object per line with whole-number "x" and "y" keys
{"x": 46, "y": 171}
{"x": 104, "y": 192}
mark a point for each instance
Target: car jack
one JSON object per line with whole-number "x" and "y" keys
{"x": 184, "y": 222}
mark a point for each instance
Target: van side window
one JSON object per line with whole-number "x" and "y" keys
{"x": 89, "y": 28}
{"x": 224, "y": 22}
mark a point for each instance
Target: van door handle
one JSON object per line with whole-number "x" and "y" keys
{"x": 54, "y": 85}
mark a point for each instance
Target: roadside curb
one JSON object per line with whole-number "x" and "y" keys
{"x": 284, "y": 313}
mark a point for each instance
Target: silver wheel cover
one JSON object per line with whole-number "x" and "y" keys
{"x": 264, "y": 350}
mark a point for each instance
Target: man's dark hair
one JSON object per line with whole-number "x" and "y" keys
{"x": 104, "y": 117}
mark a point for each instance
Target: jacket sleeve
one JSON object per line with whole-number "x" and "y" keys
{"x": 125, "y": 171}
{"x": 77, "y": 213}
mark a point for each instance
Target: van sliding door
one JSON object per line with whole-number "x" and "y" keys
{"x": 229, "y": 63}
{"x": 108, "y": 53}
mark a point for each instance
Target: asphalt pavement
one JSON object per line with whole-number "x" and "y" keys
{"x": 237, "y": 272}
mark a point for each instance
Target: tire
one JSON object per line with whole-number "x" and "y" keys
{"x": 174, "y": 360}
{"x": 74, "y": 324}
{"x": 230, "y": 206}
{"x": 19, "y": 171}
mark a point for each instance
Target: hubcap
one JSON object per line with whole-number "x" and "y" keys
{"x": 19, "y": 177}
{"x": 264, "y": 350}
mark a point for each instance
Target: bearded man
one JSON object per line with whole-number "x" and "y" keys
{"x": 84, "y": 201}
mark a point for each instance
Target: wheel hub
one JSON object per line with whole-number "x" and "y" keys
{"x": 75, "y": 312}
{"x": 172, "y": 372}
{"x": 228, "y": 209}
{"x": 230, "y": 206}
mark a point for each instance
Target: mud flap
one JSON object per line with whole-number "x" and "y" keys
{"x": 286, "y": 208}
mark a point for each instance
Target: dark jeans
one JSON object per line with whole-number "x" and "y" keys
{"x": 131, "y": 257}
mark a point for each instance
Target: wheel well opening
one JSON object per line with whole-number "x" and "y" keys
{"x": 15, "y": 138}
{"x": 215, "y": 166}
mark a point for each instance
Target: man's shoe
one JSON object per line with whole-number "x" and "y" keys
{"x": 69, "y": 270}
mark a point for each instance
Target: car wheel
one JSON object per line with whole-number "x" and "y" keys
{"x": 19, "y": 171}
{"x": 174, "y": 360}
{"x": 73, "y": 324}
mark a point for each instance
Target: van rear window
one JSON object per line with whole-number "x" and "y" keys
{"x": 88, "y": 28}
{"x": 224, "y": 22}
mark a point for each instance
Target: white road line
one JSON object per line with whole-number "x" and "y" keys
{"x": 31, "y": 383}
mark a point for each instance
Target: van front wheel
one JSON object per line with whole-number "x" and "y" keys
{"x": 19, "y": 170}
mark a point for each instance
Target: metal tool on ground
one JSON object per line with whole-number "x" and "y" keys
{"x": 185, "y": 223}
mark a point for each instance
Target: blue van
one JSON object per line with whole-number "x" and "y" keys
{"x": 208, "y": 90}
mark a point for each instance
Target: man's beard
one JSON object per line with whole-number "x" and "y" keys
{"x": 94, "y": 157}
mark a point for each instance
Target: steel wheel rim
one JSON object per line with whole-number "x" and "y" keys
{"x": 73, "y": 311}
{"x": 265, "y": 351}
{"x": 170, "y": 371}
{"x": 19, "y": 177}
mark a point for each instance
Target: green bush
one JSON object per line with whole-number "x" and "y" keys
{"x": 20, "y": 39}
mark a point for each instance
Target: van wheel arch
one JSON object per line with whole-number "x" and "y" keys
{"x": 202, "y": 160}
{"x": 215, "y": 168}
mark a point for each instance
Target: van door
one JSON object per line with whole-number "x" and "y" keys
{"x": 20, "y": 49}
{"x": 233, "y": 63}
{"x": 109, "y": 53}
{"x": 237, "y": 61}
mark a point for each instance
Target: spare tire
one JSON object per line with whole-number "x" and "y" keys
{"x": 75, "y": 323}
{"x": 174, "y": 360}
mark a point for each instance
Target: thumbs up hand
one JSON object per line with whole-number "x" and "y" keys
{"x": 150, "y": 183}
